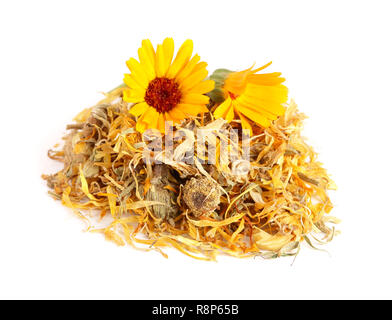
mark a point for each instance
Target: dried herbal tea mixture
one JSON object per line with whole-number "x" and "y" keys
{"x": 207, "y": 165}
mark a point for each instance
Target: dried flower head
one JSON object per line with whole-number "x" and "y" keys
{"x": 201, "y": 195}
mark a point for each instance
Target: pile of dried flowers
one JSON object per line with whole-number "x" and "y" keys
{"x": 205, "y": 165}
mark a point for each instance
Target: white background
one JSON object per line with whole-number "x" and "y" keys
{"x": 56, "y": 56}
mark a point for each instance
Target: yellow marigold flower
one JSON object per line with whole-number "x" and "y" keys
{"x": 251, "y": 96}
{"x": 166, "y": 90}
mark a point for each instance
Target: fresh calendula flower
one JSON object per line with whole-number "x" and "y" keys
{"x": 250, "y": 96}
{"x": 166, "y": 89}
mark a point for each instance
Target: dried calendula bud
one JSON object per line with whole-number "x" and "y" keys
{"x": 201, "y": 195}
{"x": 158, "y": 191}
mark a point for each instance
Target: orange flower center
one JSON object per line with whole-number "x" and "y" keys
{"x": 163, "y": 94}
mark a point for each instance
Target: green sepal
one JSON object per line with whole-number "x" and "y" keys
{"x": 219, "y": 76}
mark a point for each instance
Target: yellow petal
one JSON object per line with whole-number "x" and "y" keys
{"x": 138, "y": 72}
{"x": 272, "y": 109}
{"x": 161, "y": 123}
{"x": 146, "y": 63}
{"x": 148, "y": 114}
{"x": 203, "y": 87}
{"x": 266, "y": 79}
{"x": 151, "y": 118}
{"x": 277, "y": 94}
{"x": 245, "y": 124}
{"x": 229, "y": 116}
{"x": 133, "y": 83}
{"x": 199, "y": 66}
{"x": 236, "y": 81}
{"x": 140, "y": 125}
{"x": 262, "y": 67}
{"x": 193, "y": 80}
{"x": 268, "y": 106}
{"x": 267, "y": 109}
{"x": 176, "y": 114}
{"x": 195, "y": 98}
{"x": 149, "y": 50}
{"x": 168, "y": 50}
{"x": 255, "y": 116}
{"x": 132, "y": 95}
{"x": 159, "y": 61}
{"x": 192, "y": 109}
{"x": 164, "y": 57}
{"x": 182, "y": 58}
{"x": 139, "y": 109}
{"x": 222, "y": 109}
{"x": 188, "y": 68}
{"x": 168, "y": 117}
